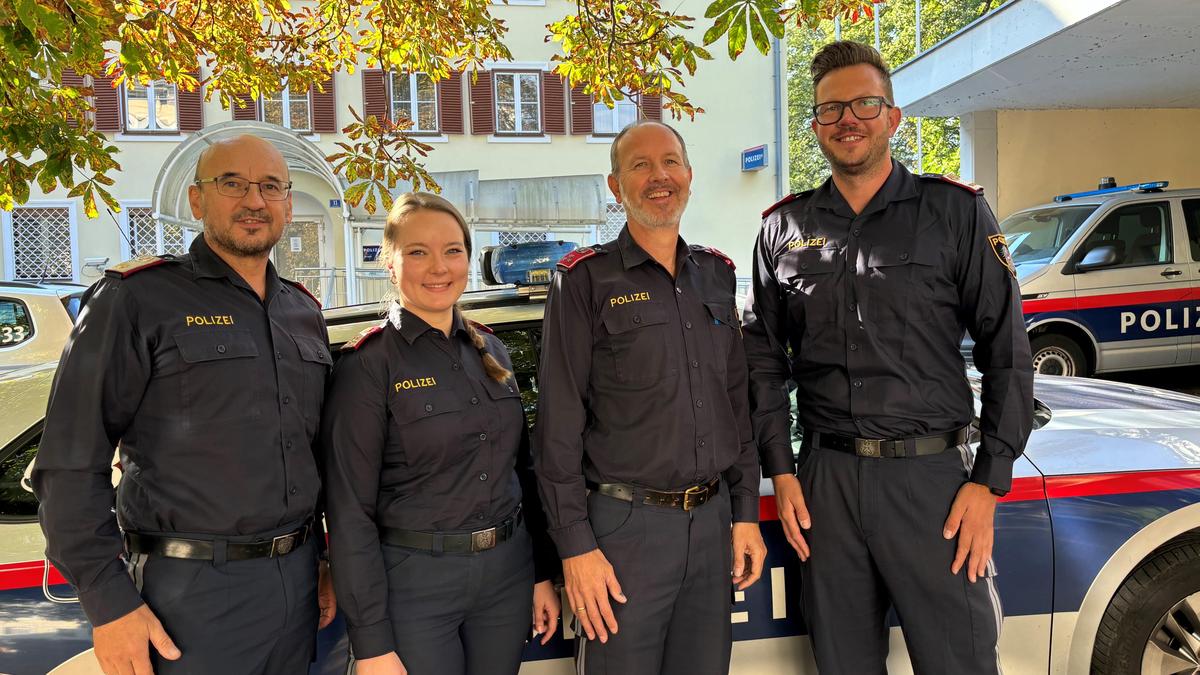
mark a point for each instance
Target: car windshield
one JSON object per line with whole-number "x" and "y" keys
{"x": 1035, "y": 236}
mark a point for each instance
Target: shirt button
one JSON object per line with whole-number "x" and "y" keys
{"x": 695, "y": 364}
{"x": 853, "y": 307}
{"x": 278, "y": 356}
{"x": 700, "y": 442}
{"x": 293, "y": 490}
{"x": 483, "y": 437}
{"x": 857, "y": 232}
{"x": 483, "y": 476}
{"x": 699, "y": 403}
{"x": 474, "y": 400}
{"x": 688, "y": 325}
{"x": 678, "y": 290}
{"x": 637, "y": 319}
{"x": 803, "y": 266}
{"x": 853, "y": 346}
{"x": 858, "y": 383}
{"x": 287, "y": 400}
{"x": 428, "y": 407}
{"x": 479, "y": 516}
{"x": 454, "y": 366}
{"x": 904, "y": 256}
{"x": 220, "y": 349}
{"x": 288, "y": 444}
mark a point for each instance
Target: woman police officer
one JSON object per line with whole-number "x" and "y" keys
{"x": 433, "y": 563}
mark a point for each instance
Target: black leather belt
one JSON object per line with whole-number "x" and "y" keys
{"x": 891, "y": 448}
{"x": 474, "y": 542}
{"x": 202, "y": 549}
{"x": 697, "y": 495}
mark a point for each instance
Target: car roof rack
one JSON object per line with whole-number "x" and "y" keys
{"x": 1155, "y": 186}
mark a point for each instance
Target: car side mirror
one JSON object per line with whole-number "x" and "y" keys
{"x": 1101, "y": 256}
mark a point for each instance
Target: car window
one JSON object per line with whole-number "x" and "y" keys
{"x": 1038, "y": 235}
{"x": 17, "y": 503}
{"x": 72, "y": 304}
{"x": 1140, "y": 233}
{"x": 1191, "y": 214}
{"x": 522, "y": 348}
{"x": 15, "y": 325}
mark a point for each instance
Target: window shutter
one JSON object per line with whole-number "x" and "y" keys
{"x": 191, "y": 107}
{"x": 375, "y": 95}
{"x": 483, "y": 107}
{"x": 554, "y": 104}
{"x": 581, "y": 111}
{"x": 108, "y": 104}
{"x": 324, "y": 108}
{"x": 245, "y": 108}
{"x": 450, "y": 104}
{"x": 652, "y": 107}
{"x": 72, "y": 80}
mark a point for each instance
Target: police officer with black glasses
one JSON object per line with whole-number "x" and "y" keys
{"x": 432, "y": 502}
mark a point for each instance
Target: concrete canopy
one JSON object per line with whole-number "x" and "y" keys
{"x": 1065, "y": 54}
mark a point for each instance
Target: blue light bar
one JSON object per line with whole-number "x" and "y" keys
{"x": 1136, "y": 187}
{"x": 524, "y": 264}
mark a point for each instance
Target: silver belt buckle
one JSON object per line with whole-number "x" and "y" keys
{"x": 867, "y": 447}
{"x": 283, "y": 544}
{"x": 483, "y": 540}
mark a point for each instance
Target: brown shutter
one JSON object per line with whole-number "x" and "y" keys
{"x": 581, "y": 111}
{"x": 652, "y": 107}
{"x": 191, "y": 107}
{"x": 554, "y": 104}
{"x": 108, "y": 104}
{"x": 72, "y": 80}
{"x": 324, "y": 108}
{"x": 375, "y": 94}
{"x": 245, "y": 108}
{"x": 483, "y": 106}
{"x": 450, "y": 104}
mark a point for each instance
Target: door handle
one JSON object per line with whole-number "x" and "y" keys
{"x": 1171, "y": 273}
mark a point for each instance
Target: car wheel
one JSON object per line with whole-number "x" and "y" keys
{"x": 1055, "y": 354}
{"x": 1152, "y": 625}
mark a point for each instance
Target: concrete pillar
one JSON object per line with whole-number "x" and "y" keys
{"x": 977, "y": 151}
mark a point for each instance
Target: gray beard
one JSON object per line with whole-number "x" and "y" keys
{"x": 652, "y": 222}
{"x": 239, "y": 249}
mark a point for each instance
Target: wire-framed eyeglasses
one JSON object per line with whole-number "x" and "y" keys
{"x": 233, "y": 186}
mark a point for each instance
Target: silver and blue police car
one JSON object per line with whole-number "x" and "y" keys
{"x": 1097, "y": 545}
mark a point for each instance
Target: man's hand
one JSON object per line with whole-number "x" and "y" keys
{"x": 971, "y": 518}
{"x": 123, "y": 646}
{"x": 546, "y": 610}
{"x": 388, "y": 664}
{"x": 326, "y": 599}
{"x": 590, "y": 580}
{"x": 748, "y": 547}
{"x": 793, "y": 512}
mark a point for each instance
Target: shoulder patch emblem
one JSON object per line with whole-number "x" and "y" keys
{"x": 955, "y": 180}
{"x": 305, "y": 291}
{"x": 481, "y": 327}
{"x": 573, "y": 258}
{"x": 717, "y": 254}
{"x": 131, "y": 267}
{"x": 358, "y": 340}
{"x": 786, "y": 200}
{"x": 999, "y": 246}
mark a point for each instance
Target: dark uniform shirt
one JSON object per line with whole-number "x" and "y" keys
{"x": 642, "y": 381}
{"x": 419, "y": 437}
{"x": 873, "y": 308}
{"x": 214, "y": 397}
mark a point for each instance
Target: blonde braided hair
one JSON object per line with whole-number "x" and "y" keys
{"x": 405, "y": 206}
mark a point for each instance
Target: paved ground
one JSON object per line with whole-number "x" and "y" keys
{"x": 1185, "y": 379}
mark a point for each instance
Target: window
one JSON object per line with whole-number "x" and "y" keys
{"x": 522, "y": 346}
{"x": 614, "y": 220}
{"x": 1191, "y": 214}
{"x": 512, "y": 238}
{"x": 148, "y": 236}
{"x": 42, "y": 243}
{"x": 288, "y": 109}
{"x": 414, "y": 97}
{"x": 15, "y": 325}
{"x": 17, "y": 503}
{"x": 607, "y": 122}
{"x": 518, "y": 107}
{"x": 1140, "y": 233}
{"x": 152, "y": 107}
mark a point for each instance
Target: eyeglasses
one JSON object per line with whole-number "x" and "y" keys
{"x": 232, "y": 186}
{"x": 865, "y": 108}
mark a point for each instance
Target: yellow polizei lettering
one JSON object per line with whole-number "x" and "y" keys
{"x": 415, "y": 383}
{"x": 208, "y": 320}
{"x": 811, "y": 242}
{"x": 629, "y": 297}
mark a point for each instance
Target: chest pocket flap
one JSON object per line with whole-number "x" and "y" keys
{"x": 807, "y": 261}
{"x": 214, "y": 345}
{"x": 313, "y": 350}
{"x": 501, "y": 390}
{"x": 891, "y": 254}
{"x": 410, "y": 405}
{"x": 636, "y": 315}
{"x": 722, "y": 312}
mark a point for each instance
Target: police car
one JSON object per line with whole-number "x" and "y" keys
{"x": 1097, "y": 545}
{"x": 1110, "y": 278}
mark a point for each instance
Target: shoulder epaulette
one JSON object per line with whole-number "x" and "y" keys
{"x": 482, "y": 326}
{"x": 955, "y": 180}
{"x": 358, "y": 340}
{"x": 715, "y": 253}
{"x": 132, "y": 267}
{"x": 574, "y": 257}
{"x": 787, "y": 200}
{"x": 305, "y": 291}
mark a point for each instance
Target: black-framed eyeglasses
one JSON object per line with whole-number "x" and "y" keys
{"x": 233, "y": 186}
{"x": 864, "y": 108}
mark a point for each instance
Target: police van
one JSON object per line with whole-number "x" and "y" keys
{"x": 1110, "y": 278}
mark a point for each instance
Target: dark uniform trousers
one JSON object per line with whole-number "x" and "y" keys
{"x": 673, "y": 567}
{"x": 461, "y": 613}
{"x": 257, "y": 617}
{"x": 877, "y": 529}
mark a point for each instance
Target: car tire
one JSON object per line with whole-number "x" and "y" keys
{"x": 1055, "y": 354}
{"x": 1151, "y": 626}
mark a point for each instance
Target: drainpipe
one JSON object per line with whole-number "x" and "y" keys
{"x": 781, "y": 185}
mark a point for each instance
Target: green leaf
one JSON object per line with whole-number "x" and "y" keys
{"x": 719, "y": 27}
{"x": 720, "y": 7}
{"x": 759, "y": 34}
{"x": 773, "y": 22}
{"x": 89, "y": 203}
{"x": 737, "y": 38}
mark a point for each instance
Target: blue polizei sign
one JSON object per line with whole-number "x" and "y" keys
{"x": 754, "y": 158}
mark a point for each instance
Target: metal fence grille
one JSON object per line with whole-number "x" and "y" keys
{"x": 509, "y": 238}
{"x": 145, "y": 233}
{"x": 42, "y": 244}
{"x": 614, "y": 220}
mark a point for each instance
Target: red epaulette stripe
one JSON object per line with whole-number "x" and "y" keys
{"x": 362, "y": 337}
{"x": 788, "y": 199}
{"x": 305, "y": 291}
{"x": 131, "y": 267}
{"x": 712, "y": 251}
{"x": 572, "y": 259}
{"x": 481, "y": 326}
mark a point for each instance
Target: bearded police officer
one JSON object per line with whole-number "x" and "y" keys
{"x": 208, "y": 371}
{"x": 644, "y": 452}
{"x": 862, "y": 290}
